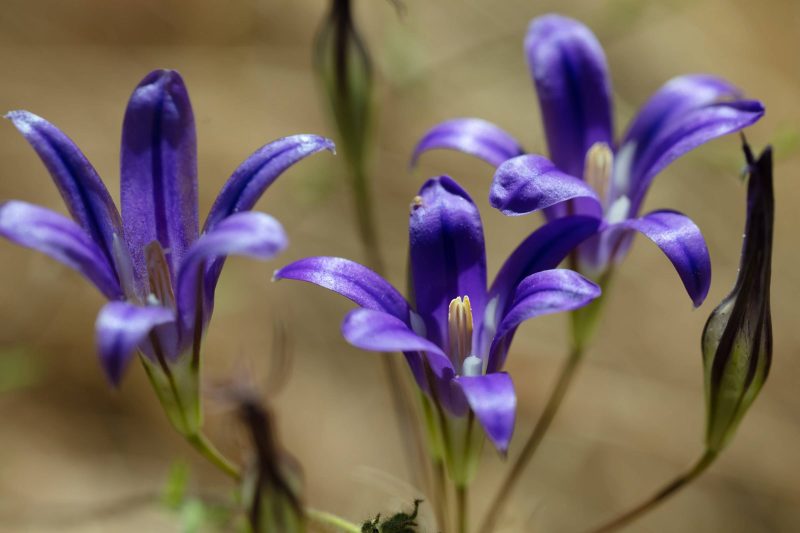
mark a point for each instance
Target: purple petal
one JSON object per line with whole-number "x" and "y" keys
{"x": 62, "y": 239}
{"x": 542, "y": 293}
{"x": 675, "y": 97}
{"x": 683, "y": 244}
{"x": 529, "y": 183}
{"x": 494, "y": 402}
{"x": 250, "y": 234}
{"x": 571, "y": 76}
{"x": 543, "y": 249}
{"x": 353, "y": 281}
{"x": 473, "y": 136}
{"x": 120, "y": 328}
{"x": 251, "y": 179}
{"x": 84, "y": 194}
{"x": 447, "y": 253}
{"x": 686, "y": 112}
{"x": 159, "y": 169}
{"x": 378, "y": 331}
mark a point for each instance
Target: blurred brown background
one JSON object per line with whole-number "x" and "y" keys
{"x": 77, "y": 456}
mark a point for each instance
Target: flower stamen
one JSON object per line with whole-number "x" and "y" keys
{"x": 159, "y": 275}
{"x": 598, "y": 167}
{"x": 459, "y": 320}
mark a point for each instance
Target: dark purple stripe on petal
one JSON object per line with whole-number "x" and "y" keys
{"x": 682, "y": 242}
{"x": 159, "y": 169}
{"x": 350, "y": 279}
{"x": 569, "y": 68}
{"x": 60, "y": 238}
{"x": 529, "y": 183}
{"x": 250, "y": 234}
{"x": 447, "y": 252}
{"x": 686, "y": 112}
{"x": 473, "y": 136}
{"x": 259, "y": 171}
{"x": 83, "y": 192}
{"x": 675, "y": 97}
{"x": 542, "y": 293}
{"x": 120, "y": 329}
{"x": 494, "y": 402}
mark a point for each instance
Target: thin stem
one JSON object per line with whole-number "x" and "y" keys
{"x": 327, "y": 519}
{"x": 200, "y": 443}
{"x": 440, "y": 494}
{"x": 398, "y": 389}
{"x": 462, "y": 508}
{"x": 668, "y": 490}
{"x": 407, "y": 419}
{"x": 365, "y": 217}
{"x": 535, "y": 438}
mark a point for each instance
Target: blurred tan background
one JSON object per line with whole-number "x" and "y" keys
{"x": 77, "y": 456}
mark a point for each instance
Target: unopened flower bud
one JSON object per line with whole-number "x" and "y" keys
{"x": 737, "y": 339}
{"x": 273, "y": 480}
{"x": 343, "y": 64}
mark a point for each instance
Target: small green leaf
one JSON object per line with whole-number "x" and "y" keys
{"x": 174, "y": 491}
{"x": 193, "y": 516}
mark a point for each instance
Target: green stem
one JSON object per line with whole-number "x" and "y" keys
{"x": 668, "y": 490}
{"x": 200, "y": 443}
{"x": 365, "y": 217}
{"x": 535, "y": 438}
{"x": 462, "y": 508}
{"x": 327, "y": 519}
{"x": 440, "y": 494}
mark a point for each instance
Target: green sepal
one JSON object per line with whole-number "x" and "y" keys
{"x": 178, "y": 390}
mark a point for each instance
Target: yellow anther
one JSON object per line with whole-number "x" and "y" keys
{"x": 598, "y": 167}
{"x": 459, "y": 320}
{"x": 416, "y": 203}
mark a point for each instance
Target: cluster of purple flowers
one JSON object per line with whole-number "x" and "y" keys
{"x": 159, "y": 270}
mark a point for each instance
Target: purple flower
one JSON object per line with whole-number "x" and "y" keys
{"x": 588, "y": 172}
{"x": 456, "y": 333}
{"x": 156, "y": 267}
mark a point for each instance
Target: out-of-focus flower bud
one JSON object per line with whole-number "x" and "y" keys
{"x": 343, "y": 64}
{"x": 737, "y": 339}
{"x": 272, "y": 482}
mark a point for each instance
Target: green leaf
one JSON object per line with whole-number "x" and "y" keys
{"x": 174, "y": 491}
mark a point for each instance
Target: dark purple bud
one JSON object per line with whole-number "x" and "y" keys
{"x": 737, "y": 340}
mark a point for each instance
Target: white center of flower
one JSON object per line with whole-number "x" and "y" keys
{"x": 473, "y": 366}
{"x": 619, "y": 210}
{"x": 459, "y": 326}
